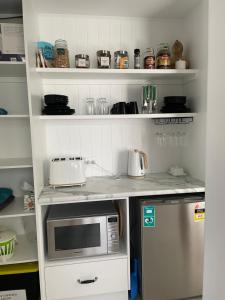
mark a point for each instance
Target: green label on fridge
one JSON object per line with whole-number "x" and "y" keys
{"x": 149, "y": 216}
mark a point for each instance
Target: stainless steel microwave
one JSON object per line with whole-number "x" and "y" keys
{"x": 82, "y": 229}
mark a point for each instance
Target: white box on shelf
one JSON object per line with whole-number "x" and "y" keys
{"x": 11, "y": 38}
{"x": 29, "y": 202}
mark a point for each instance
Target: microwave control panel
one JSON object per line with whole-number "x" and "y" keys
{"x": 113, "y": 234}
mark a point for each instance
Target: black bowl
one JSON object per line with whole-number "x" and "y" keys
{"x": 175, "y": 100}
{"x": 55, "y": 99}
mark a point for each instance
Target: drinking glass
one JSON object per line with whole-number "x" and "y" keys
{"x": 90, "y": 106}
{"x": 103, "y": 107}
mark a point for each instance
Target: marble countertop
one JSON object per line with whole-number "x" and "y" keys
{"x": 99, "y": 188}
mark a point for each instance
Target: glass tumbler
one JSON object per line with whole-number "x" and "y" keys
{"x": 90, "y": 106}
{"x": 103, "y": 107}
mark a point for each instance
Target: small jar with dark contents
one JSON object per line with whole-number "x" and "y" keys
{"x": 104, "y": 59}
{"x": 163, "y": 57}
{"x": 82, "y": 61}
{"x": 149, "y": 60}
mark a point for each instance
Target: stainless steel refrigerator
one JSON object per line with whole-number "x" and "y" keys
{"x": 171, "y": 247}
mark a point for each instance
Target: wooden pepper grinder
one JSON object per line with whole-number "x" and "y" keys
{"x": 178, "y": 61}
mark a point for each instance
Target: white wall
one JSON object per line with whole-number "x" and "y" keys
{"x": 214, "y": 287}
{"x": 88, "y": 34}
{"x": 107, "y": 142}
{"x": 196, "y": 42}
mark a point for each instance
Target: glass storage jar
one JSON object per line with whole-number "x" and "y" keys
{"x": 61, "y": 54}
{"x": 149, "y": 60}
{"x": 163, "y": 57}
{"x": 121, "y": 59}
{"x": 104, "y": 59}
{"x": 82, "y": 61}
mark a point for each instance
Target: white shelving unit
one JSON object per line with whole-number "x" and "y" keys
{"x": 142, "y": 74}
{"x": 15, "y": 163}
{"x": 25, "y": 250}
{"x": 12, "y": 69}
{"x": 87, "y": 29}
{"x": 115, "y": 117}
{"x": 15, "y": 152}
{"x": 15, "y": 209}
{"x": 6, "y": 117}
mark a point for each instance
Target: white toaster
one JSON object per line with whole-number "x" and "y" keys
{"x": 67, "y": 171}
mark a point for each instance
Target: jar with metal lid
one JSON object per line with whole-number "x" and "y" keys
{"x": 82, "y": 61}
{"x": 104, "y": 59}
{"x": 149, "y": 60}
{"x": 121, "y": 59}
{"x": 137, "y": 59}
{"x": 163, "y": 57}
{"x": 61, "y": 54}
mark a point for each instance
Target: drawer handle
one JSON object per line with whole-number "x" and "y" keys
{"x": 88, "y": 281}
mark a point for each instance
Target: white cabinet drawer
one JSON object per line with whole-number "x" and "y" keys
{"x": 70, "y": 281}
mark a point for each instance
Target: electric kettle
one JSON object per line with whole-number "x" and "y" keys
{"x": 137, "y": 163}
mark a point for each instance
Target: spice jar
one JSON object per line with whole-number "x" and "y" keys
{"x": 82, "y": 61}
{"x": 149, "y": 60}
{"x": 121, "y": 59}
{"x": 137, "y": 59}
{"x": 61, "y": 54}
{"x": 163, "y": 57}
{"x": 104, "y": 59}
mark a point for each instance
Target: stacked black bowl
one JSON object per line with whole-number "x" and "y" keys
{"x": 57, "y": 105}
{"x": 175, "y": 104}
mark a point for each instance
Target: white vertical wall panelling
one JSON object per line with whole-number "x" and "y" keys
{"x": 107, "y": 142}
{"x": 87, "y": 34}
{"x": 111, "y": 33}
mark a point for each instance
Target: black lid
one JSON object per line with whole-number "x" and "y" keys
{"x": 137, "y": 51}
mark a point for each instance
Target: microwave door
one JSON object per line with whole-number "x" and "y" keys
{"x": 77, "y": 237}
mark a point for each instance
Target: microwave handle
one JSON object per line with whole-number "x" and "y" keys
{"x": 88, "y": 281}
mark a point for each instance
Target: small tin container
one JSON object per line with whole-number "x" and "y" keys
{"x": 82, "y": 61}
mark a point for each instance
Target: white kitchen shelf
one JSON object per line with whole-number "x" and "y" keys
{"x": 69, "y": 261}
{"x": 72, "y": 73}
{"x": 15, "y": 163}
{"x": 12, "y": 69}
{"x": 25, "y": 250}
{"x": 15, "y": 209}
{"x": 109, "y": 117}
{"x": 14, "y": 117}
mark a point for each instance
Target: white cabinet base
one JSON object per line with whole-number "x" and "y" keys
{"x": 65, "y": 282}
{"x": 113, "y": 296}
